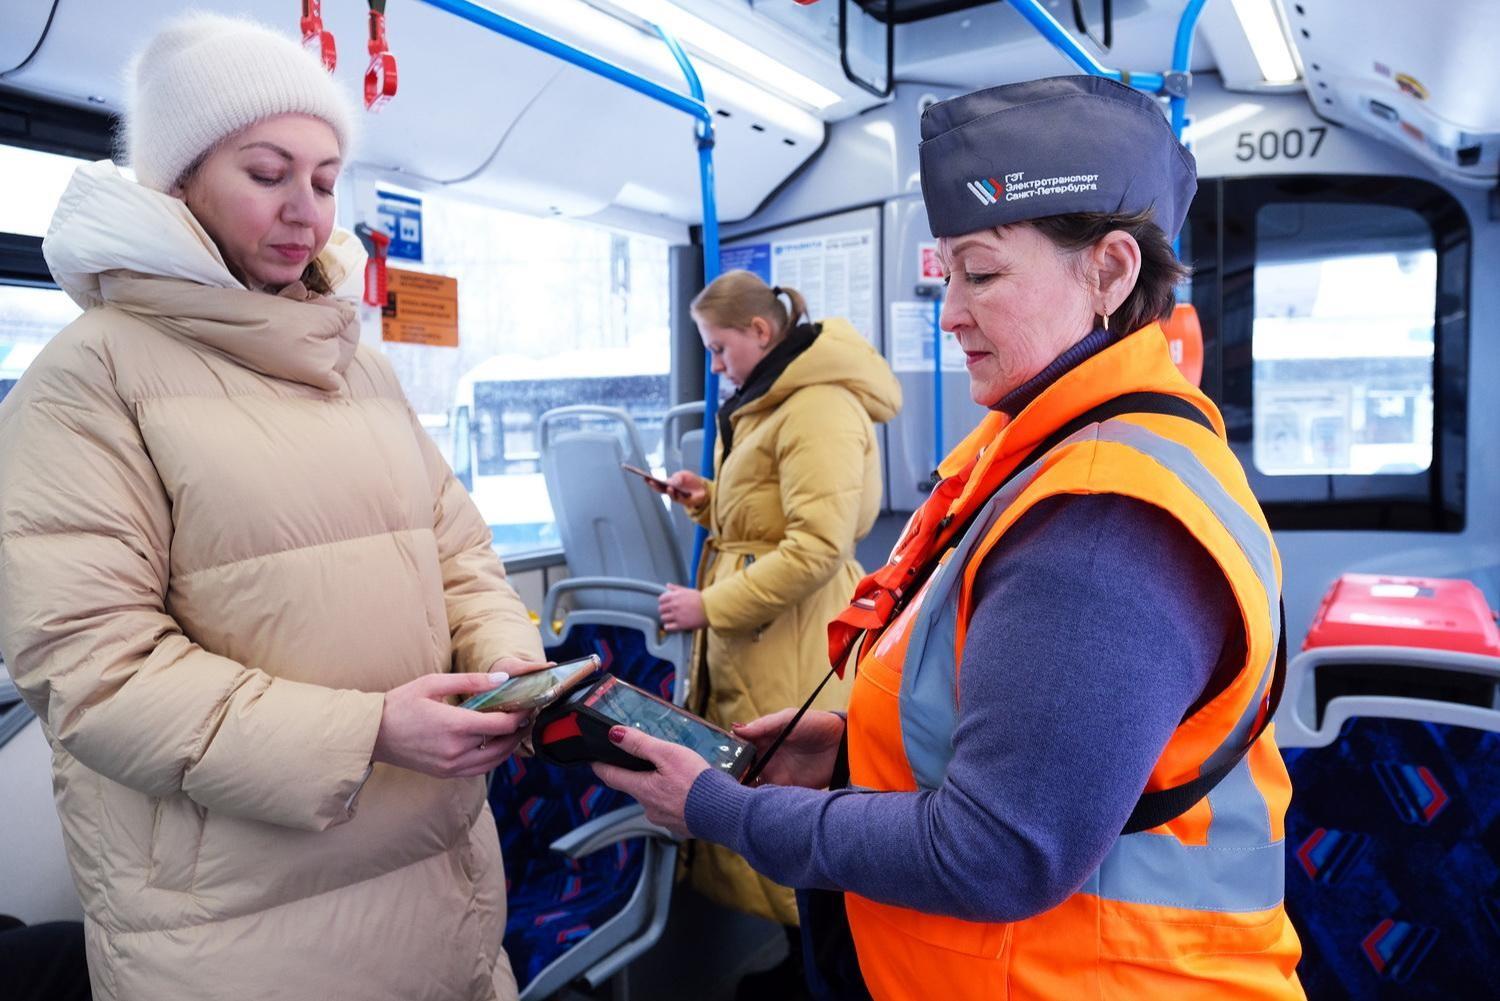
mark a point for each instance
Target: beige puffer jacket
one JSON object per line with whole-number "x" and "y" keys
{"x": 223, "y": 535}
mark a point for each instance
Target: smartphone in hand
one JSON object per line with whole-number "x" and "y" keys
{"x": 660, "y": 484}
{"x": 535, "y": 689}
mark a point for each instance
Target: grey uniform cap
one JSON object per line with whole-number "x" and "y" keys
{"x": 1051, "y": 147}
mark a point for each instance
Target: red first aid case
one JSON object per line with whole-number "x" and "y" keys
{"x": 1381, "y": 610}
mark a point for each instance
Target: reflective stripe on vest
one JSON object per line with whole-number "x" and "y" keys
{"x": 1241, "y": 868}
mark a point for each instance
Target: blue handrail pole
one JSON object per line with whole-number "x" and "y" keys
{"x": 710, "y": 272}
{"x": 1063, "y": 40}
{"x": 1182, "y": 60}
{"x": 695, "y": 106}
{"x": 937, "y": 382}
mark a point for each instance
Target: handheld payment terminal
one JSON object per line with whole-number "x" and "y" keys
{"x": 575, "y": 730}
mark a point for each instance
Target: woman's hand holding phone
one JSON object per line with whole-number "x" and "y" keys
{"x": 672, "y": 486}
{"x": 687, "y": 488}
{"x": 419, "y": 730}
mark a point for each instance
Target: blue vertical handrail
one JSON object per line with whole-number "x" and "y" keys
{"x": 1182, "y": 54}
{"x": 710, "y": 272}
{"x": 695, "y": 106}
{"x": 1182, "y": 60}
{"x": 1175, "y": 83}
{"x": 938, "y": 451}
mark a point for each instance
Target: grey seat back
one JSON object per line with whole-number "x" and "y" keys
{"x": 610, "y": 522}
{"x": 620, "y": 939}
{"x": 682, "y": 448}
{"x": 675, "y": 425}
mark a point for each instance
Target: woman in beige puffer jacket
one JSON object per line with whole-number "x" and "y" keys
{"x": 226, "y": 545}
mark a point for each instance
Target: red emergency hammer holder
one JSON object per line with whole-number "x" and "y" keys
{"x": 315, "y": 38}
{"x": 380, "y": 78}
{"x": 376, "y": 244}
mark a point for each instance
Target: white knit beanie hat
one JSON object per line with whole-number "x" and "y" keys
{"x": 205, "y": 77}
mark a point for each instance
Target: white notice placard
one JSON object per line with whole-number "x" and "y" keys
{"x": 910, "y": 337}
{"x": 835, "y": 274}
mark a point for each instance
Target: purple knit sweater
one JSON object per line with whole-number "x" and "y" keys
{"x": 1098, "y": 624}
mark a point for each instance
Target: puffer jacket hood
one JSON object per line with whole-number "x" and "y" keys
{"x": 113, "y": 241}
{"x": 839, "y": 357}
{"x": 224, "y": 537}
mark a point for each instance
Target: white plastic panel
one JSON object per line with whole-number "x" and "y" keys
{"x": 21, "y": 25}
{"x": 485, "y": 114}
{"x": 990, "y": 44}
{"x": 1230, "y": 133}
{"x": 1422, "y": 80}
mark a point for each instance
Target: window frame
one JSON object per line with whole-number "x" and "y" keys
{"x": 47, "y": 127}
{"x": 1222, "y": 230}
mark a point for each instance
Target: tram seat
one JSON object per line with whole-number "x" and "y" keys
{"x": 1392, "y": 854}
{"x": 682, "y": 449}
{"x": 611, "y": 524}
{"x": 589, "y": 879}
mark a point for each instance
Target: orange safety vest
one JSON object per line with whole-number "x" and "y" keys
{"x": 1189, "y": 909}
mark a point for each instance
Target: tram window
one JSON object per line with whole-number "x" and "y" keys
{"x": 1343, "y": 346}
{"x": 552, "y": 312}
{"x": 1335, "y": 316}
{"x": 34, "y": 181}
{"x": 29, "y": 317}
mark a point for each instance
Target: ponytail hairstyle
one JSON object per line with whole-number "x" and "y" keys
{"x": 735, "y": 298}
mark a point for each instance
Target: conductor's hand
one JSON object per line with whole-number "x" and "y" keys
{"x": 681, "y": 609}
{"x": 420, "y": 731}
{"x": 685, "y": 487}
{"x": 806, "y": 756}
{"x": 663, "y": 792}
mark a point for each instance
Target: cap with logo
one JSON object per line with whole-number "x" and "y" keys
{"x": 1051, "y": 147}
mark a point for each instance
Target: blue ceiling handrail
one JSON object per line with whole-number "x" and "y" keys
{"x": 695, "y": 106}
{"x": 502, "y": 25}
{"x": 1064, "y": 42}
{"x": 1174, "y": 84}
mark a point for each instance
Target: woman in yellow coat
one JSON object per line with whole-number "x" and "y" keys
{"x": 797, "y": 483}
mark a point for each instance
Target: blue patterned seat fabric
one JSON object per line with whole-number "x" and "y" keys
{"x": 555, "y": 901}
{"x": 1393, "y": 862}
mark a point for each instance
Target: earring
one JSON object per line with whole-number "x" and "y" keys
{"x": 1104, "y": 322}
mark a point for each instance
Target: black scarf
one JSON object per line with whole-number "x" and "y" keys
{"x": 764, "y": 376}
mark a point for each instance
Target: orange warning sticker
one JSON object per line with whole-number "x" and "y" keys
{"x": 420, "y": 309}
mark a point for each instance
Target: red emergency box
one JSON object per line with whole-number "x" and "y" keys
{"x": 1379, "y": 610}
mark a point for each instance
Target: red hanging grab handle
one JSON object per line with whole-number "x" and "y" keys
{"x": 375, "y": 243}
{"x": 315, "y": 38}
{"x": 380, "y": 78}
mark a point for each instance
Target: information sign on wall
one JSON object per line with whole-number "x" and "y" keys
{"x": 399, "y": 216}
{"x": 420, "y": 309}
{"x": 753, "y": 257}
{"x": 835, "y": 274}
{"x": 929, "y": 268}
{"x": 910, "y": 337}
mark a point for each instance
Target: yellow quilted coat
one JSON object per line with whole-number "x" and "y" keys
{"x": 801, "y": 485}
